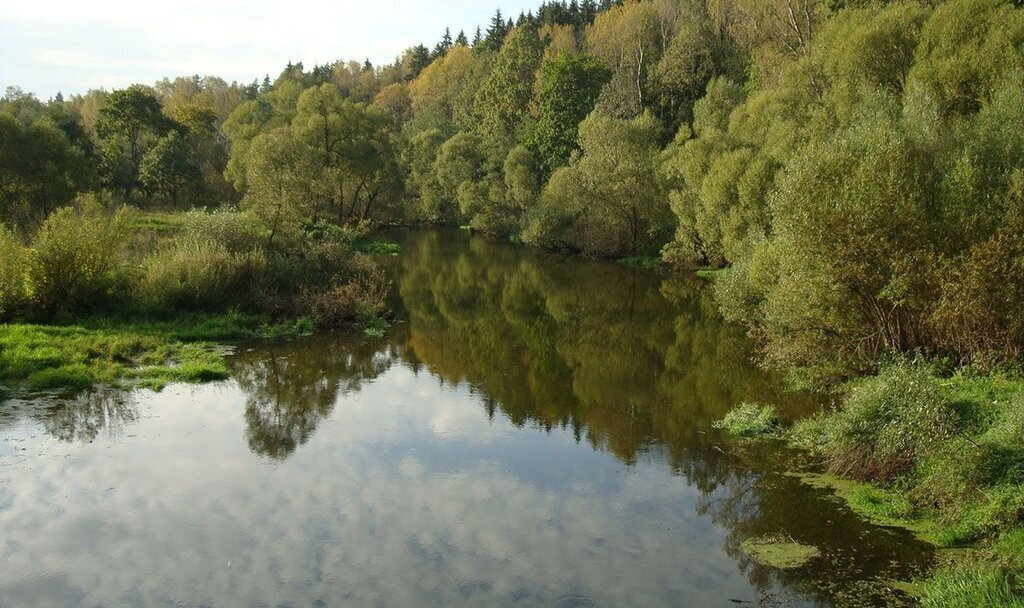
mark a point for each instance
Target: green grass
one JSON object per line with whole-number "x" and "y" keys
{"x": 157, "y": 221}
{"x": 376, "y": 246}
{"x": 375, "y": 326}
{"x": 108, "y": 351}
{"x": 978, "y": 587}
{"x": 640, "y": 261}
{"x": 941, "y": 457}
{"x": 750, "y": 420}
{"x": 39, "y": 357}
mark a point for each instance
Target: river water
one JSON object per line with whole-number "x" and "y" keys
{"x": 534, "y": 430}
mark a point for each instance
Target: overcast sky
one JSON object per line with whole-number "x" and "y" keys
{"x": 72, "y": 46}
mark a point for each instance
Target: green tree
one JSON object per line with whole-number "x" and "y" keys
{"x": 169, "y": 167}
{"x": 129, "y": 122}
{"x": 281, "y": 177}
{"x": 611, "y": 192}
{"x": 39, "y": 169}
{"x": 501, "y": 103}
{"x": 569, "y": 86}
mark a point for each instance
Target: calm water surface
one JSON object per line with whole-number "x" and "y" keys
{"x": 535, "y": 430}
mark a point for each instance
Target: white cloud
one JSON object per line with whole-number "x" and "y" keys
{"x": 124, "y": 42}
{"x": 387, "y": 504}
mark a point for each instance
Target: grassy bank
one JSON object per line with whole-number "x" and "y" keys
{"x": 111, "y": 352}
{"x": 940, "y": 456}
{"x": 73, "y": 292}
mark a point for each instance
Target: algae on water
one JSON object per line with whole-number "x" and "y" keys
{"x": 779, "y": 551}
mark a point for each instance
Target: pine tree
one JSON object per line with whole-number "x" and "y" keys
{"x": 418, "y": 58}
{"x": 444, "y": 45}
{"x": 461, "y": 40}
{"x": 477, "y": 39}
{"x": 496, "y": 30}
{"x": 588, "y": 10}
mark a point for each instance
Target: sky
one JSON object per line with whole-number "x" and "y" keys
{"x": 72, "y": 46}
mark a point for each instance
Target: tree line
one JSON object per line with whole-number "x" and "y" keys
{"x": 856, "y": 165}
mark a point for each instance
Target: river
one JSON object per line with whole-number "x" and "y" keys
{"x": 535, "y": 429}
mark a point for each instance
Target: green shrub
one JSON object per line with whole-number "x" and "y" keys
{"x": 885, "y": 426}
{"x": 750, "y": 420}
{"x": 234, "y": 230}
{"x": 13, "y": 258}
{"x": 376, "y": 246}
{"x": 199, "y": 275}
{"x": 75, "y": 263}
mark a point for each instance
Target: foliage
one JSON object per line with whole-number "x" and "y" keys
{"x": 611, "y": 191}
{"x": 885, "y": 426}
{"x": 75, "y": 262}
{"x": 569, "y": 84}
{"x": 750, "y": 420}
{"x": 168, "y": 168}
{"x": 500, "y": 103}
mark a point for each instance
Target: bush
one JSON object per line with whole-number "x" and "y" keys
{"x": 885, "y": 427}
{"x": 361, "y": 299}
{"x": 199, "y": 275}
{"x": 75, "y": 263}
{"x": 750, "y": 420}
{"x": 13, "y": 258}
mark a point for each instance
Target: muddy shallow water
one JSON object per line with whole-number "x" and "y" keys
{"x": 535, "y": 429}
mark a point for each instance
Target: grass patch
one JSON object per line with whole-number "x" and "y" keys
{"x": 640, "y": 261}
{"x": 750, "y": 420}
{"x": 972, "y": 586}
{"x": 710, "y": 273}
{"x": 376, "y": 246}
{"x": 779, "y": 552}
{"x": 40, "y": 357}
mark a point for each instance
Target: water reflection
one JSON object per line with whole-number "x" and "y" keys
{"x": 534, "y": 430}
{"x": 84, "y": 417}
{"x": 289, "y": 388}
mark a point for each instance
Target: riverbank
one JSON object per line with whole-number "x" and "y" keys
{"x": 942, "y": 457}
{"x": 122, "y": 297}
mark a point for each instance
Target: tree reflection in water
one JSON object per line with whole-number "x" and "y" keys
{"x": 85, "y": 417}
{"x": 291, "y": 387}
{"x": 634, "y": 363}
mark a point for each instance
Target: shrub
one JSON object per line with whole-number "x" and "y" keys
{"x": 75, "y": 261}
{"x": 13, "y": 258}
{"x": 199, "y": 275}
{"x": 236, "y": 231}
{"x": 886, "y": 425}
{"x": 750, "y": 420}
{"x": 361, "y": 299}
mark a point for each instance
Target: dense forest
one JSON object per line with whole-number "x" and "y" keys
{"x": 850, "y": 173}
{"x": 856, "y": 165}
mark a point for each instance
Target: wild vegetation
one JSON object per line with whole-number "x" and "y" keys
{"x": 848, "y": 174}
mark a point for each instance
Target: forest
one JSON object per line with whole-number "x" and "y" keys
{"x": 848, "y": 175}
